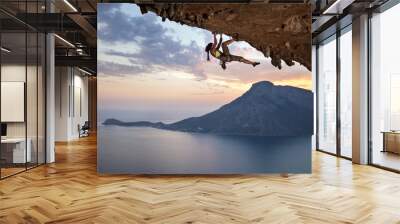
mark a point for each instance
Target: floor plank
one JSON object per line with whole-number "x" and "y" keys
{"x": 71, "y": 191}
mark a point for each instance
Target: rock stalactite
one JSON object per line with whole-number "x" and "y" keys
{"x": 280, "y": 31}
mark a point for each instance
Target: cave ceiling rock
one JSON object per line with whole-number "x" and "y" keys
{"x": 280, "y": 31}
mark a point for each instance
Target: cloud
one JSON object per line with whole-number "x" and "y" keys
{"x": 144, "y": 44}
{"x": 238, "y": 74}
{"x": 117, "y": 69}
{"x": 155, "y": 47}
{"x": 118, "y": 26}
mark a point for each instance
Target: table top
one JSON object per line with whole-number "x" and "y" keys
{"x": 13, "y": 140}
{"x": 391, "y": 132}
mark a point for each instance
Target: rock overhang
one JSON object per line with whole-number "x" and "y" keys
{"x": 280, "y": 31}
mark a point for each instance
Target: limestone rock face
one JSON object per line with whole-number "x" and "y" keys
{"x": 279, "y": 31}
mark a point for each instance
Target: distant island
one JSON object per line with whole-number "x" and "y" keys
{"x": 264, "y": 110}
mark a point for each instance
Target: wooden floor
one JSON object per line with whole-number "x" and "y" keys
{"x": 70, "y": 191}
{"x": 5, "y": 172}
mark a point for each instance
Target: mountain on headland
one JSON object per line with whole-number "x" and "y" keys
{"x": 113, "y": 121}
{"x": 264, "y": 110}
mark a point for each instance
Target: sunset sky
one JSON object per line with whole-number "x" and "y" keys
{"x": 147, "y": 66}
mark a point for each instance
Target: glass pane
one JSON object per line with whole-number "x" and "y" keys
{"x": 31, "y": 98}
{"x": 31, "y": 88}
{"x": 346, "y": 94}
{"x": 385, "y": 89}
{"x": 41, "y": 98}
{"x": 327, "y": 96}
{"x": 22, "y": 89}
{"x": 13, "y": 86}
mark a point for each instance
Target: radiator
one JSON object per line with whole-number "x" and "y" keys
{"x": 391, "y": 142}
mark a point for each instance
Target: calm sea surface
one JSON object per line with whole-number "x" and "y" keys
{"x": 152, "y": 151}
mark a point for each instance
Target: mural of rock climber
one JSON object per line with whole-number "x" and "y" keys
{"x": 204, "y": 88}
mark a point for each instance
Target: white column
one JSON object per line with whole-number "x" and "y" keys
{"x": 50, "y": 92}
{"x": 314, "y": 89}
{"x": 50, "y": 100}
{"x": 360, "y": 90}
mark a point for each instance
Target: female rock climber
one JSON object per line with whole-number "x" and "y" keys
{"x": 225, "y": 56}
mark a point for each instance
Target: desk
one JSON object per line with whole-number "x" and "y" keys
{"x": 19, "y": 154}
{"x": 391, "y": 141}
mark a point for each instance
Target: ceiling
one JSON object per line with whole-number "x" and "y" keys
{"x": 332, "y": 15}
{"x": 74, "y": 22}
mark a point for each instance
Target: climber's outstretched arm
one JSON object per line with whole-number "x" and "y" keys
{"x": 215, "y": 41}
{"x": 220, "y": 41}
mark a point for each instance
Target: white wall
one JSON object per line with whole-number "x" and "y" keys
{"x": 33, "y": 126}
{"x": 14, "y": 73}
{"x": 62, "y": 82}
{"x": 17, "y": 73}
{"x": 80, "y": 109}
{"x": 71, "y": 102}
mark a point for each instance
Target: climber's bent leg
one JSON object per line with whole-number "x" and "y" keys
{"x": 243, "y": 60}
{"x": 225, "y": 48}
